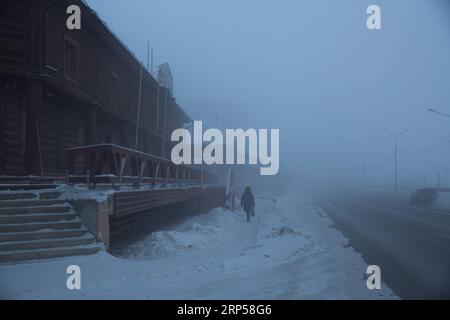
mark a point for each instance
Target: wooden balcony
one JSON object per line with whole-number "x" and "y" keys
{"x": 109, "y": 163}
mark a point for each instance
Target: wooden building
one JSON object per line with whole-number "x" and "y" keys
{"x": 63, "y": 88}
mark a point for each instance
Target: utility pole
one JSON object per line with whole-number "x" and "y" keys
{"x": 364, "y": 175}
{"x": 366, "y": 178}
{"x": 438, "y": 175}
{"x": 395, "y": 136}
{"x": 138, "y": 109}
{"x": 163, "y": 150}
{"x": 439, "y": 112}
{"x": 445, "y": 170}
{"x": 396, "y": 166}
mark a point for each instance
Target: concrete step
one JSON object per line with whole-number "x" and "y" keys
{"x": 29, "y": 203}
{"x": 47, "y": 243}
{"x": 26, "y": 186}
{"x": 35, "y": 254}
{"x": 43, "y": 234}
{"x": 35, "y": 209}
{"x": 46, "y": 195}
{"x": 17, "y": 196}
{"x": 36, "y": 217}
{"x": 22, "y": 179}
{"x": 35, "y": 226}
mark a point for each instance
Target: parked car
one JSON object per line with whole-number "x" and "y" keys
{"x": 423, "y": 197}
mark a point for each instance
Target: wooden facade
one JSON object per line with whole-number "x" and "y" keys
{"x": 61, "y": 89}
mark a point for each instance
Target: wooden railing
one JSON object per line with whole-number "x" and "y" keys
{"x": 109, "y": 163}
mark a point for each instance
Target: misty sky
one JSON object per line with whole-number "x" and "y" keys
{"x": 312, "y": 69}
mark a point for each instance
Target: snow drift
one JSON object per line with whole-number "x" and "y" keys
{"x": 288, "y": 251}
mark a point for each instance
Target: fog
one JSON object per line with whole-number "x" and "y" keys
{"x": 312, "y": 69}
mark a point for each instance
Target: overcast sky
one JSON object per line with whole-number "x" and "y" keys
{"x": 310, "y": 68}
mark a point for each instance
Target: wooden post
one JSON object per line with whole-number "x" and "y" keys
{"x": 91, "y": 135}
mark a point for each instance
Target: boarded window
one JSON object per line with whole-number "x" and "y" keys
{"x": 70, "y": 60}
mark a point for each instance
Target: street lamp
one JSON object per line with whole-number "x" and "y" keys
{"x": 364, "y": 168}
{"x": 448, "y": 116}
{"x": 395, "y": 136}
{"x": 438, "y": 112}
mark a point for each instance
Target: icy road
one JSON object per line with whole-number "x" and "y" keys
{"x": 289, "y": 251}
{"x": 410, "y": 244}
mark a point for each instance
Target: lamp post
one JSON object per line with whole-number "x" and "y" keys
{"x": 395, "y": 136}
{"x": 438, "y": 112}
{"x": 445, "y": 171}
{"x": 364, "y": 168}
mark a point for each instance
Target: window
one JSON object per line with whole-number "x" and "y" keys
{"x": 70, "y": 59}
{"x": 114, "y": 89}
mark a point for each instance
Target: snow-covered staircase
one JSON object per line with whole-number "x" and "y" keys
{"x": 38, "y": 225}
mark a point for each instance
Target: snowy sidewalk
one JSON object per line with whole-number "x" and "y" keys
{"x": 288, "y": 252}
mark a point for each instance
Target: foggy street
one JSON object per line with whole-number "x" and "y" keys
{"x": 288, "y": 251}
{"x": 224, "y": 150}
{"x": 410, "y": 244}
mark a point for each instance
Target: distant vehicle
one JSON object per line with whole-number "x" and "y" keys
{"x": 423, "y": 197}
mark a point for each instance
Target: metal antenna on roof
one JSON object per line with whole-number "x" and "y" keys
{"x": 151, "y": 70}
{"x": 148, "y": 55}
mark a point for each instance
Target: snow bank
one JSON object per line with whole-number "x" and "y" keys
{"x": 271, "y": 237}
{"x": 103, "y": 191}
{"x": 288, "y": 251}
{"x": 187, "y": 238}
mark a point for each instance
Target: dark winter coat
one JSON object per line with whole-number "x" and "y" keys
{"x": 247, "y": 201}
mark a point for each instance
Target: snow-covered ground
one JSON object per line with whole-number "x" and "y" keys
{"x": 290, "y": 251}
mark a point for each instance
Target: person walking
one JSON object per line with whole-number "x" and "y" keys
{"x": 248, "y": 203}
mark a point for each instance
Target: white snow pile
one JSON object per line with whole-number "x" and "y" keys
{"x": 78, "y": 192}
{"x": 189, "y": 237}
{"x": 275, "y": 237}
{"x": 102, "y": 191}
{"x": 288, "y": 251}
